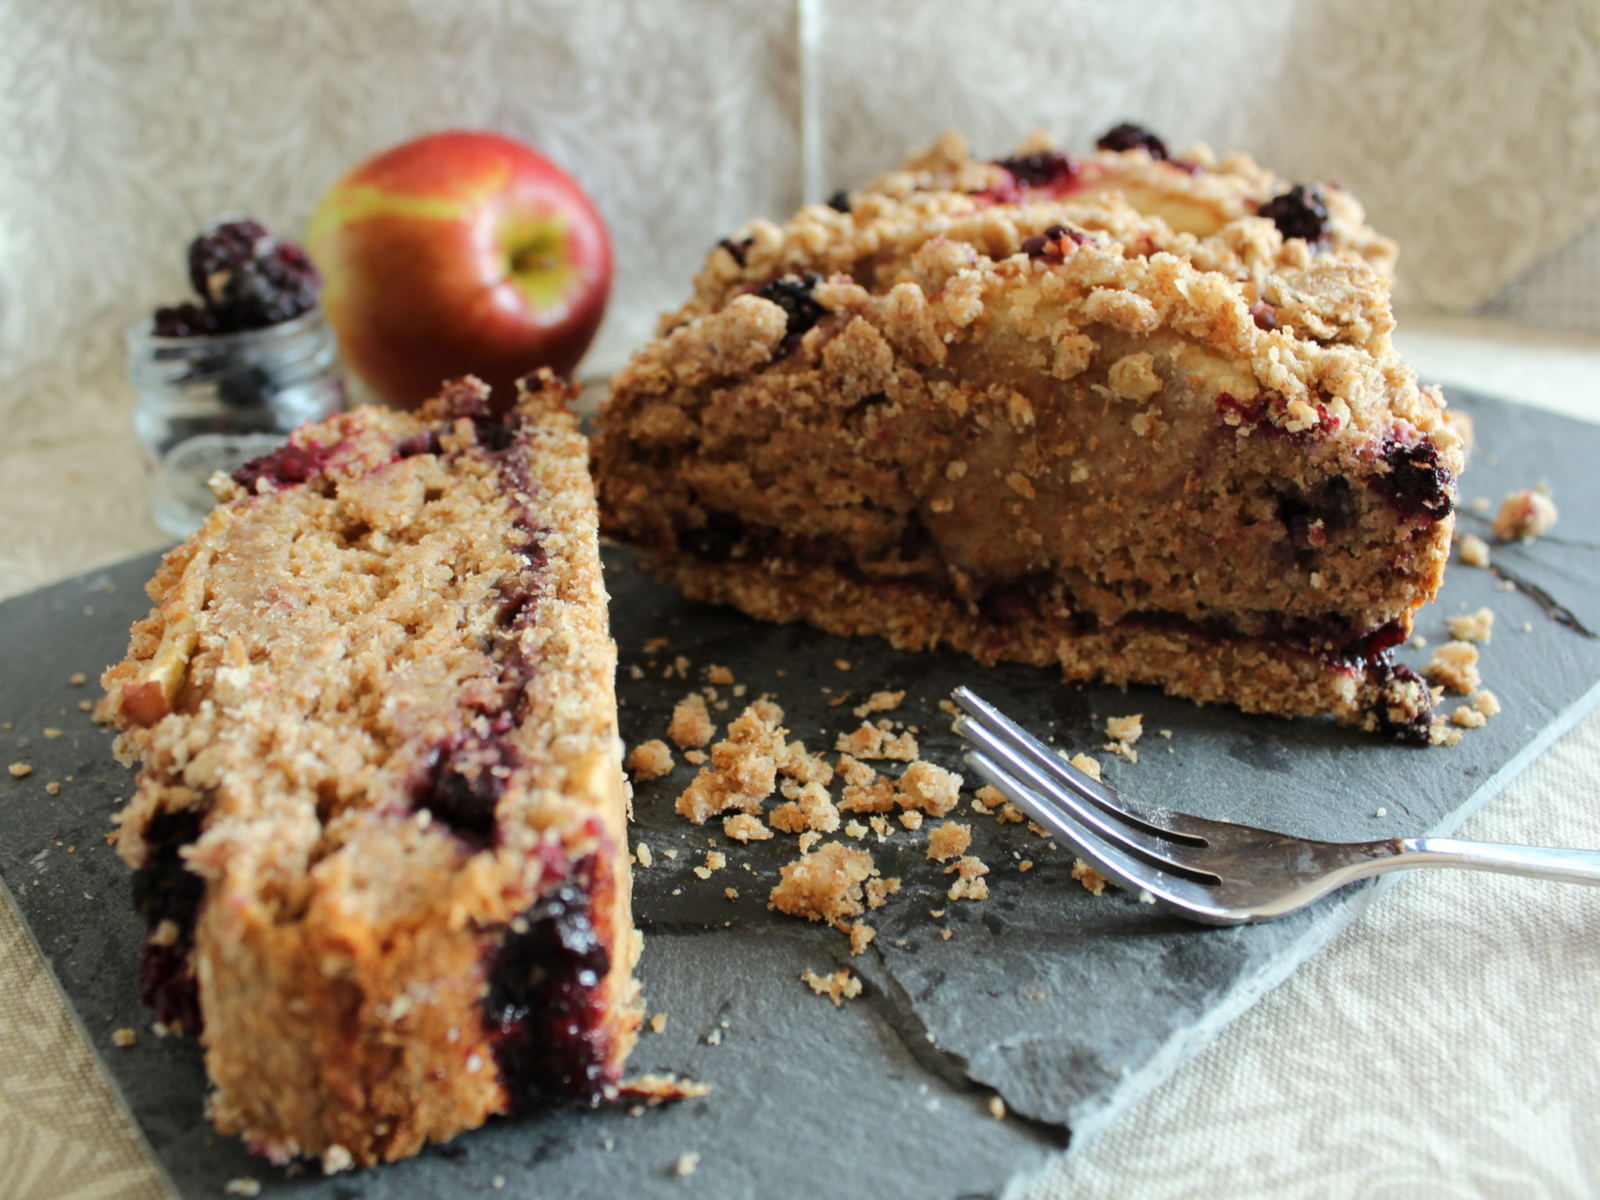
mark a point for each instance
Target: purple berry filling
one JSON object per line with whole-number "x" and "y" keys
{"x": 1049, "y": 244}
{"x": 1129, "y": 136}
{"x": 543, "y": 1005}
{"x": 1301, "y": 212}
{"x": 466, "y": 780}
{"x": 285, "y": 466}
{"x": 792, "y": 293}
{"x": 164, "y": 889}
{"x": 1418, "y": 484}
{"x": 1264, "y": 315}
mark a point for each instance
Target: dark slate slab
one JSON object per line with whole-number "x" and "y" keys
{"x": 1067, "y": 1005}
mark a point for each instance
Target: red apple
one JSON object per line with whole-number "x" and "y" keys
{"x": 459, "y": 253}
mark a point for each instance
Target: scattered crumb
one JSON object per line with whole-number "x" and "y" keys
{"x": 744, "y": 766}
{"x": 879, "y": 826}
{"x": 1418, "y": 642}
{"x": 948, "y": 841}
{"x": 1125, "y": 729}
{"x": 77, "y": 679}
{"x": 745, "y": 828}
{"x": 856, "y": 830}
{"x": 861, "y": 935}
{"x": 730, "y": 893}
{"x": 719, "y": 675}
{"x": 656, "y": 645}
{"x": 650, "y": 760}
{"x": 930, "y": 788}
{"x": 1481, "y": 504}
{"x": 879, "y": 702}
{"x": 946, "y": 934}
{"x": 20, "y": 770}
{"x": 1472, "y": 627}
{"x": 696, "y": 758}
{"x": 911, "y": 818}
{"x": 1093, "y": 882}
{"x": 838, "y": 987}
{"x": 1485, "y": 702}
{"x": 842, "y": 664}
{"x": 686, "y": 1163}
{"x": 691, "y": 724}
{"x": 52, "y": 788}
{"x": 808, "y": 839}
{"x": 1381, "y": 812}
{"x": 243, "y": 1185}
{"x": 1473, "y": 550}
{"x": 969, "y": 884}
{"x": 1455, "y": 665}
{"x": 879, "y": 890}
{"x": 1089, "y": 766}
{"x": 816, "y": 808}
{"x": 824, "y": 885}
{"x": 997, "y": 1108}
{"x": 335, "y": 1159}
{"x": 642, "y": 855}
{"x": 1527, "y": 627}
{"x": 1524, "y": 515}
{"x": 874, "y": 741}
{"x": 85, "y": 705}
{"x": 1025, "y": 865}
{"x": 1468, "y": 717}
{"x": 716, "y": 860}
{"x": 124, "y": 1037}
{"x": 52, "y": 732}
{"x": 658, "y": 1023}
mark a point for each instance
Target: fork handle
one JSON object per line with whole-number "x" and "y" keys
{"x": 1569, "y": 866}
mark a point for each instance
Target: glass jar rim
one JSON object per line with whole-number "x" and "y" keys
{"x": 140, "y": 333}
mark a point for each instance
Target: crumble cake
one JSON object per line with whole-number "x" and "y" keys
{"x": 379, "y": 832}
{"x": 1106, "y": 447}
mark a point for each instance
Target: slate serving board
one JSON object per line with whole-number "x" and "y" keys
{"x": 1068, "y": 1006}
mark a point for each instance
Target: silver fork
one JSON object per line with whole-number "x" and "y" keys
{"x": 1214, "y": 872}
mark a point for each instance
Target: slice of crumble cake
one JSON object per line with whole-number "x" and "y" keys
{"x": 379, "y": 833}
{"x": 1099, "y": 447}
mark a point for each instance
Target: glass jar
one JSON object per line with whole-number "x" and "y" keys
{"x": 212, "y": 402}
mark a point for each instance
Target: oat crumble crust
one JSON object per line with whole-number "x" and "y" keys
{"x": 1096, "y": 456}
{"x": 375, "y": 714}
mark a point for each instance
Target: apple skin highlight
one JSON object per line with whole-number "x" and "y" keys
{"x": 459, "y": 253}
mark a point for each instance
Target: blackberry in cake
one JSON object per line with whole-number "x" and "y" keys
{"x": 1074, "y": 449}
{"x": 379, "y": 828}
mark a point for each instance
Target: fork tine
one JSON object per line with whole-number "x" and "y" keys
{"x": 1116, "y": 864}
{"x": 1033, "y": 777}
{"x": 1157, "y": 821}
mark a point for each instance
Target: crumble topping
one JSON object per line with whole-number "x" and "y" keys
{"x": 1093, "y": 882}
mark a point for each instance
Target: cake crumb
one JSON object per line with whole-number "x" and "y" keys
{"x": 856, "y": 830}
{"x": 124, "y": 1037}
{"x": 20, "y": 770}
{"x": 242, "y": 1185}
{"x": 928, "y": 787}
{"x": 1089, "y": 766}
{"x": 1455, "y": 665}
{"x": 1093, "y": 882}
{"x": 658, "y": 1023}
{"x": 842, "y": 664}
{"x": 1380, "y": 812}
{"x": 969, "y": 884}
{"x": 1472, "y": 627}
{"x": 51, "y": 732}
{"x": 838, "y": 987}
{"x": 744, "y": 766}
{"x": 1473, "y": 551}
{"x": 85, "y": 705}
{"x": 824, "y": 885}
{"x": 879, "y": 890}
{"x": 745, "y": 828}
{"x": 1025, "y": 864}
{"x": 1468, "y": 717}
{"x": 336, "y": 1158}
{"x": 861, "y": 935}
{"x": 716, "y": 860}
{"x": 691, "y": 724}
{"x": 1485, "y": 702}
{"x": 879, "y": 702}
{"x": 911, "y": 818}
{"x": 948, "y": 841}
{"x": 650, "y": 760}
{"x": 52, "y": 788}
{"x": 687, "y": 1164}
{"x": 997, "y": 1108}
{"x": 808, "y": 839}
{"x": 990, "y": 796}
{"x": 77, "y": 679}
{"x": 642, "y": 855}
{"x": 1126, "y": 730}
{"x": 1524, "y": 515}
{"x": 946, "y": 934}
{"x": 719, "y": 675}
{"x": 874, "y": 741}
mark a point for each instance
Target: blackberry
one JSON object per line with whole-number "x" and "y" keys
{"x": 792, "y": 293}
{"x": 1301, "y": 212}
{"x": 839, "y": 201}
{"x": 248, "y": 279}
{"x": 1041, "y": 169}
{"x": 1418, "y": 484}
{"x": 1129, "y": 136}
{"x": 184, "y": 320}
